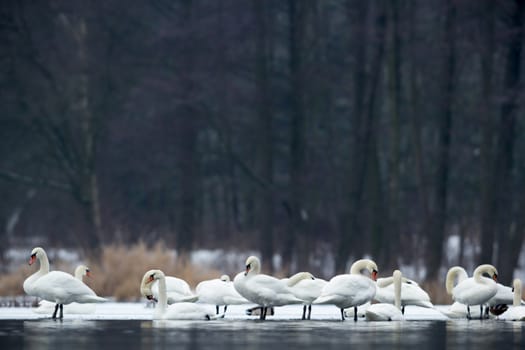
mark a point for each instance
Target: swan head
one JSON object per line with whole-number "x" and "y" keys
{"x": 82, "y": 270}
{"x": 367, "y": 264}
{"x": 488, "y": 269}
{"x": 36, "y": 253}
{"x": 147, "y": 280}
{"x": 253, "y": 265}
{"x": 225, "y": 278}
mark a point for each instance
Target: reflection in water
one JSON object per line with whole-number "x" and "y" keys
{"x": 253, "y": 334}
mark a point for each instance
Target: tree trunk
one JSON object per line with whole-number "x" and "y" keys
{"x": 438, "y": 224}
{"x": 348, "y": 217}
{"x": 265, "y": 112}
{"x": 487, "y": 185}
{"x": 509, "y": 238}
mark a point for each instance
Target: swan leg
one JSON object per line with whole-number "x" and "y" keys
{"x": 481, "y": 312}
{"x": 225, "y": 307}
{"x": 265, "y": 311}
{"x": 61, "y": 311}
{"x": 403, "y": 310}
{"x": 55, "y": 313}
{"x": 304, "y": 313}
{"x": 342, "y": 314}
{"x": 216, "y": 309}
{"x": 355, "y": 313}
{"x": 309, "y": 310}
{"x": 468, "y": 312}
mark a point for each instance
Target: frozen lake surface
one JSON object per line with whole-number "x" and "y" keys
{"x": 129, "y": 326}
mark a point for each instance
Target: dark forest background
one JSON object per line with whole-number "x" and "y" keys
{"x": 305, "y": 128}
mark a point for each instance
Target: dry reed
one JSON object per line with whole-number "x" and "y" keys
{"x": 118, "y": 272}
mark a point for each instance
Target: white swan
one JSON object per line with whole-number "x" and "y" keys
{"x": 177, "y": 290}
{"x": 219, "y": 291}
{"x": 457, "y": 310}
{"x": 263, "y": 290}
{"x": 517, "y": 311}
{"x": 476, "y": 290}
{"x": 350, "y": 290}
{"x": 57, "y": 286}
{"x": 177, "y": 311}
{"x": 411, "y": 293}
{"x": 386, "y": 311}
{"x": 45, "y": 307}
{"x": 307, "y": 288}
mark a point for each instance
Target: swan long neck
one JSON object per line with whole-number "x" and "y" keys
{"x": 397, "y": 288}
{"x": 453, "y": 272}
{"x": 362, "y": 264}
{"x": 163, "y": 298}
{"x": 480, "y": 270}
{"x": 79, "y": 272}
{"x": 516, "y": 285}
{"x": 44, "y": 263}
{"x": 292, "y": 281}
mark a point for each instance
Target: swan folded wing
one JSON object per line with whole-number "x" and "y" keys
{"x": 504, "y": 295}
{"x": 187, "y": 311}
{"x": 473, "y": 293}
{"x": 61, "y": 287}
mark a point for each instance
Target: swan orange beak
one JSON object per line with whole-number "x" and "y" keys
{"x": 247, "y": 269}
{"x": 88, "y": 273}
{"x": 374, "y": 275}
{"x": 150, "y": 279}
{"x": 32, "y": 259}
{"x": 495, "y": 277}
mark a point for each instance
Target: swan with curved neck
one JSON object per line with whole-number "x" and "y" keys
{"x": 476, "y": 290}
{"x": 387, "y": 311}
{"x": 177, "y": 311}
{"x": 39, "y": 254}
{"x": 306, "y": 287}
{"x": 57, "y": 286}
{"x": 455, "y": 272}
{"x": 350, "y": 290}
{"x": 219, "y": 291}
{"x": 263, "y": 290}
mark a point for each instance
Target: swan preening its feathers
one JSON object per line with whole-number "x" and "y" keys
{"x": 350, "y": 290}
{"x": 177, "y": 311}
{"x": 387, "y": 311}
{"x": 219, "y": 291}
{"x": 57, "y": 286}
{"x": 476, "y": 290}
{"x": 263, "y": 290}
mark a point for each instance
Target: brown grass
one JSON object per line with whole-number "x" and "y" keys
{"x": 119, "y": 271}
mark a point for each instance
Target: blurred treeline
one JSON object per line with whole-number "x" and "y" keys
{"x": 302, "y": 128}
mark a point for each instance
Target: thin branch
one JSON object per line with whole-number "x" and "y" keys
{"x": 28, "y": 180}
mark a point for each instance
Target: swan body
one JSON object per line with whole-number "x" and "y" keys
{"x": 476, "y": 290}
{"x": 457, "y": 310}
{"x": 57, "y": 286}
{"x": 45, "y": 307}
{"x": 517, "y": 311}
{"x": 219, "y": 291}
{"x": 177, "y": 290}
{"x": 263, "y": 290}
{"x": 307, "y": 288}
{"x": 177, "y": 311}
{"x": 350, "y": 290}
{"x": 388, "y": 311}
{"x": 411, "y": 293}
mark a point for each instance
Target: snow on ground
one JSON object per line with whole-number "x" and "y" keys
{"x": 141, "y": 311}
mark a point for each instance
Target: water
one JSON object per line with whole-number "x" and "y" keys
{"x": 103, "y": 331}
